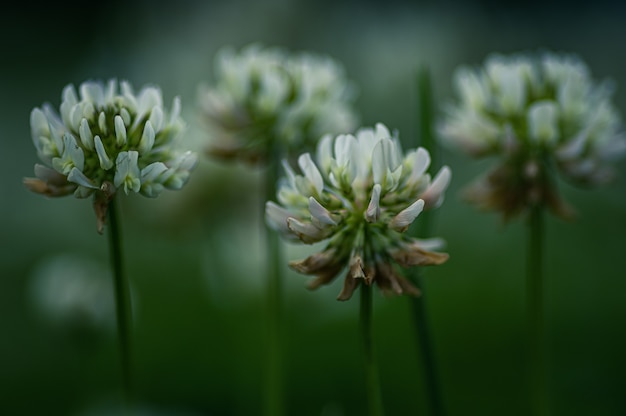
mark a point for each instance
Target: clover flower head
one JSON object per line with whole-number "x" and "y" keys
{"x": 539, "y": 113}
{"x": 265, "y": 95}
{"x": 361, "y": 193}
{"x": 107, "y": 138}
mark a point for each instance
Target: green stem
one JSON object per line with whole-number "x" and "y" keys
{"x": 427, "y": 353}
{"x": 374, "y": 396}
{"x": 275, "y": 400}
{"x": 535, "y": 282}
{"x": 122, "y": 301}
{"x": 426, "y": 139}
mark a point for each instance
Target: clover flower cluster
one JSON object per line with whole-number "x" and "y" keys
{"x": 267, "y": 96}
{"x": 361, "y": 194}
{"x": 105, "y": 140}
{"x": 108, "y": 140}
{"x": 537, "y": 112}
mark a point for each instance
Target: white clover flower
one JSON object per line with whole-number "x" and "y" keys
{"x": 107, "y": 139}
{"x": 264, "y": 96}
{"x": 539, "y": 113}
{"x": 360, "y": 193}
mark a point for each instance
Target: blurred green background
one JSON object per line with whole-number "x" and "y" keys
{"x": 194, "y": 257}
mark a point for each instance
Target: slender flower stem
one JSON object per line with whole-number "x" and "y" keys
{"x": 427, "y": 353}
{"x": 275, "y": 400}
{"x": 535, "y": 282}
{"x": 374, "y": 396}
{"x": 122, "y": 301}
{"x": 418, "y": 305}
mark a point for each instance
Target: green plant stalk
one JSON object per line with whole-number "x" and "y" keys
{"x": 423, "y": 229}
{"x": 536, "y": 339}
{"x": 274, "y": 399}
{"x": 122, "y": 301}
{"x": 374, "y": 396}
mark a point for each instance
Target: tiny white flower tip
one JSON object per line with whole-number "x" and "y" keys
{"x": 373, "y": 209}
{"x": 320, "y": 213}
{"x": 105, "y": 162}
{"x": 382, "y": 132}
{"x": 78, "y": 177}
{"x": 151, "y": 172}
{"x": 176, "y": 107}
{"x": 430, "y": 244}
{"x": 120, "y": 130}
{"x": 39, "y": 123}
{"x": 75, "y": 116}
{"x": 147, "y": 138}
{"x": 156, "y": 118}
{"x": 86, "y": 137}
{"x": 306, "y": 232}
{"x": 88, "y": 111}
{"x": 73, "y": 152}
{"x": 543, "y": 121}
{"x": 127, "y": 172}
{"x": 311, "y": 172}
{"x": 125, "y": 116}
{"x": 422, "y": 161}
{"x": 91, "y": 91}
{"x": 406, "y": 217}
{"x": 102, "y": 123}
{"x": 434, "y": 193}
{"x": 276, "y": 217}
{"x": 69, "y": 95}
{"x": 188, "y": 160}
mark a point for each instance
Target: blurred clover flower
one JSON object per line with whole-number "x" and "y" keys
{"x": 266, "y": 96}
{"x": 539, "y": 113}
{"x": 105, "y": 140}
{"x": 361, "y": 195}
{"x": 74, "y": 292}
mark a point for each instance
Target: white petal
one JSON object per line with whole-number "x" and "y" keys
{"x": 127, "y": 172}
{"x": 433, "y": 196}
{"x": 109, "y": 93}
{"x": 151, "y": 172}
{"x": 311, "y": 172}
{"x": 88, "y": 111}
{"x": 69, "y": 95}
{"x": 105, "y": 161}
{"x": 373, "y": 209}
{"x": 306, "y": 232}
{"x": 147, "y": 138}
{"x": 102, "y": 123}
{"x": 382, "y": 132}
{"x": 92, "y": 91}
{"x": 325, "y": 153}
{"x": 156, "y": 118}
{"x": 86, "y": 137}
{"x": 406, "y": 217}
{"x": 39, "y": 124}
{"x": 320, "y": 213}
{"x": 175, "y": 110}
{"x": 125, "y": 117}
{"x": 382, "y": 160}
{"x": 73, "y": 151}
{"x": 120, "y": 131}
{"x": 344, "y": 144}
{"x": 276, "y": 217}
{"x": 542, "y": 120}
{"x": 78, "y": 177}
{"x": 187, "y": 161}
{"x": 430, "y": 244}
{"x": 421, "y": 162}
{"x": 75, "y": 116}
